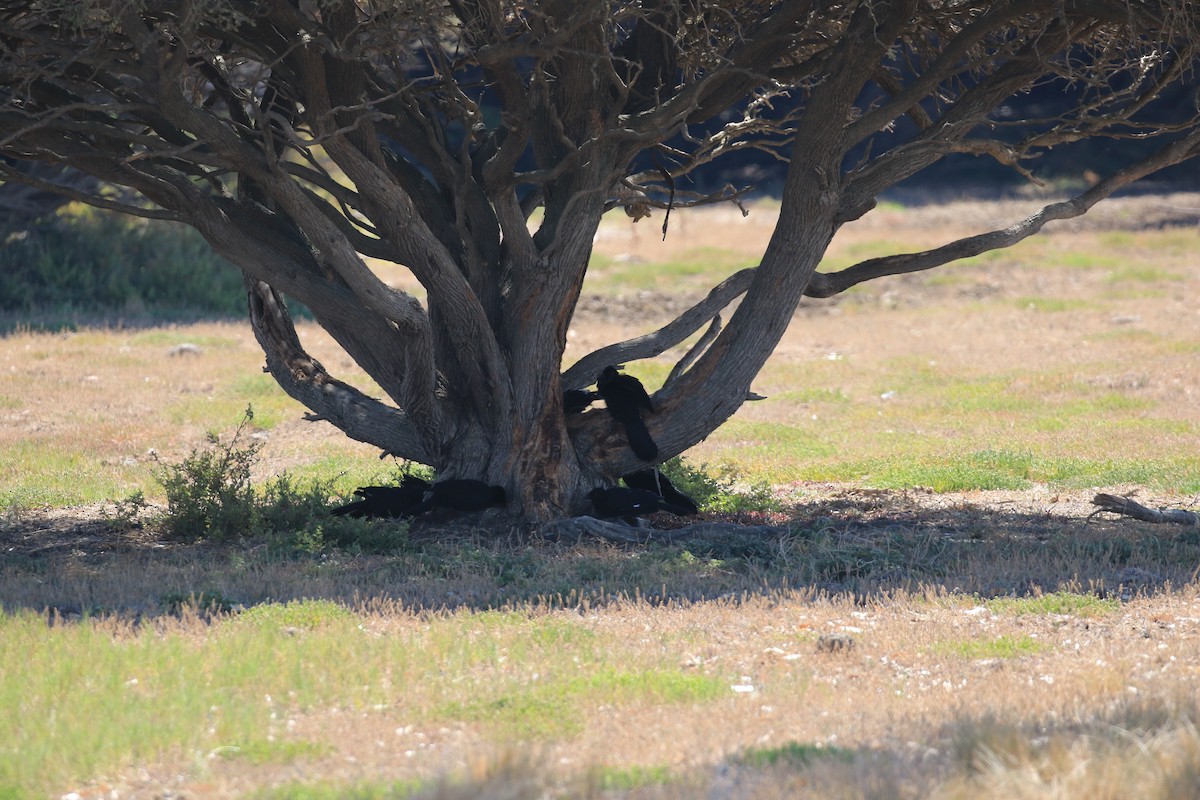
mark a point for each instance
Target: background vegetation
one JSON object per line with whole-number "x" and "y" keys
{"x": 87, "y": 265}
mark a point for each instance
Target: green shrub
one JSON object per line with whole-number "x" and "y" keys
{"x": 210, "y": 497}
{"x": 208, "y": 600}
{"x": 104, "y": 263}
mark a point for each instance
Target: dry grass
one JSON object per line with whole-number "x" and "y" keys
{"x": 1105, "y": 705}
{"x": 884, "y": 643}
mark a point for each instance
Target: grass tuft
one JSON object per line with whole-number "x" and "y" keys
{"x": 1065, "y": 603}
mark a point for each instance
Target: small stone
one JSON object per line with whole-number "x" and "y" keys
{"x": 835, "y": 642}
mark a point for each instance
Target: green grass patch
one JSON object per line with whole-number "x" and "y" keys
{"x": 1067, "y": 603}
{"x": 792, "y": 755}
{"x": 701, "y": 266}
{"x": 271, "y": 405}
{"x": 774, "y": 439}
{"x": 860, "y": 251}
{"x": 36, "y": 472}
{"x": 811, "y": 395}
{"x": 307, "y": 614}
{"x": 557, "y": 707}
{"x": 626, "y": 779}
{"x": 984, "y": 469}
{"x": 1052, "y": 305}
{"x": 326, "y": 790}
{"x": 169, "y": 337}
{"x": 229, "y": 687}
{"x": 1143, "y": 273}
{"x": 999, "y": 647}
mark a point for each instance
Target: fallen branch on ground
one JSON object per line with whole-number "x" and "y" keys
{"x": 1128, "y": 508}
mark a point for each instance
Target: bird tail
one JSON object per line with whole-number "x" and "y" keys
{"x": 639, "y": 439}
{"x": 673, "y": 508}
{"x": 355, "y": 509}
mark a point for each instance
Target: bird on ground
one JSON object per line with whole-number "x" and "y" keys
{"x": 651, "y": 480}
{"x": 626, "y": 397}
{"x": 576, "y": 401}
{"x": 618, "y": 501}
{"x": 386, "y": 502}
{"x": 461, "y": 494}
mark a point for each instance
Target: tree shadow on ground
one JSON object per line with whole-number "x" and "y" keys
{"x": 863, "y": 543}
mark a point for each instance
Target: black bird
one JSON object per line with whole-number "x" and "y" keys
{"x": 651, "y": 480}
{"x": 617, "y": 501}
{"x": 461, "y": 494}
{"x": 386, "y": 502}
{"x": 575, "y": 401}
{"x": 626, "y": 397}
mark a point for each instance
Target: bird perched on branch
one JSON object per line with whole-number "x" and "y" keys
{"x": 576, "y": 401}
{"x": 626, "y": 397}
{"x": 651, "y": 480}
{"x": 617, "y": 501}
{"x": 386, "y": 502}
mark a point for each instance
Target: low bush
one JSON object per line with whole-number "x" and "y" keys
{"x": 210, "y": 497}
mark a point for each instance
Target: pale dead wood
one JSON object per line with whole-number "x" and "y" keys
{"x": 1128, "y": 508}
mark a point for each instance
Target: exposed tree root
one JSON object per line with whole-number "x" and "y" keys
{"x": 574, "y": 529}
{"x": 1126, "y": 507}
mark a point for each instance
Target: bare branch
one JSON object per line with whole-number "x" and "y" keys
{"x": 695, "y": 351}
{"x": 584, "y": 371}
{"x": 1126, "y": 507}
{"x": 829, "y": 284}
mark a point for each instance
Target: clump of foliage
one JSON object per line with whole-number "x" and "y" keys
{"x": 209, "y": 494}
{"x": 719, "y": 489}
{"x": 210, "y": 497}
{"x": 212, "y": 601}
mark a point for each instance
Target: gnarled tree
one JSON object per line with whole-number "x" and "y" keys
{"x": 302, "y": 136}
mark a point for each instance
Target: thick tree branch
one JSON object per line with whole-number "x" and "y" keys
{"x": 303, "y": 377}
{"x": 1126, "y": 507}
